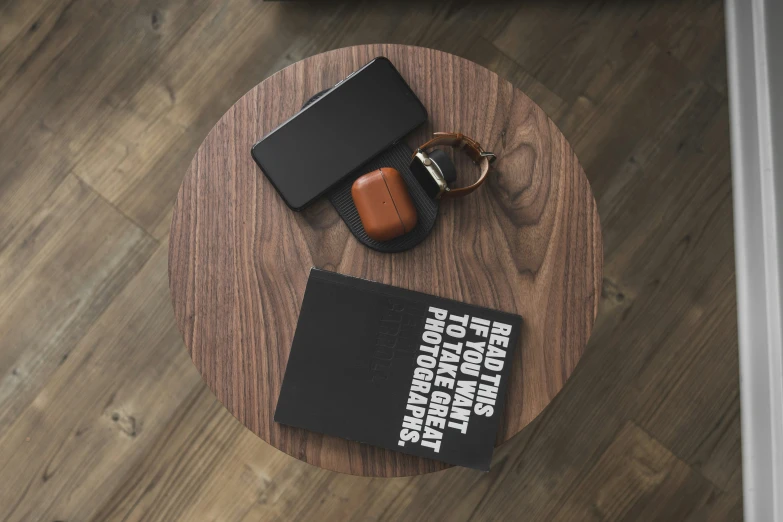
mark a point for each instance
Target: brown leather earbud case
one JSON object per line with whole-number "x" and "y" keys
{"x": 384, "y": 204}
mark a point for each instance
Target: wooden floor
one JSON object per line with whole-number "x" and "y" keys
{"x": 102, "y": 414}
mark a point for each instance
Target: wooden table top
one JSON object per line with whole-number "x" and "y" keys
{"x": 529, "y": 242}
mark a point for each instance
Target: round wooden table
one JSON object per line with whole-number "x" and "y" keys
{"x": 529, "y": 241}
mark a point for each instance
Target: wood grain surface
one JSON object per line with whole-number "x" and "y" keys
{"x": 529, "y": 242}
{"x": 103, "y": 415}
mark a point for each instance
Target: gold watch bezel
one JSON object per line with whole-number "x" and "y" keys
{"x": 434, "y": 170}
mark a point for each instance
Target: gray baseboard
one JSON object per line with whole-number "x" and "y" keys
{"x": 755, "y": 68}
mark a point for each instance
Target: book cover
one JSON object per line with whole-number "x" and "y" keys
{"x": 399, "y": 369}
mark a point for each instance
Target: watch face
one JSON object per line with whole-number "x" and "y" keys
{"x": 424, "y": 178}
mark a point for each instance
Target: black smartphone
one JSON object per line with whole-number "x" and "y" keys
{"x": 358, "y": 118}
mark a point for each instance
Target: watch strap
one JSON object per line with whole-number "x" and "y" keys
{"x": 472, "y": 148}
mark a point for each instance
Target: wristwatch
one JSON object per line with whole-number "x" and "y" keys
{"x": 431, "y": 170}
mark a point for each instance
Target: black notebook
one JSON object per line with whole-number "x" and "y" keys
{"x": 398, "y": 369}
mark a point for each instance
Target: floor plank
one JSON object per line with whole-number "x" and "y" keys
{"x": 636, "y": 478}
{"x": 101, "y": 409}
{"x": 58, "y": 275}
